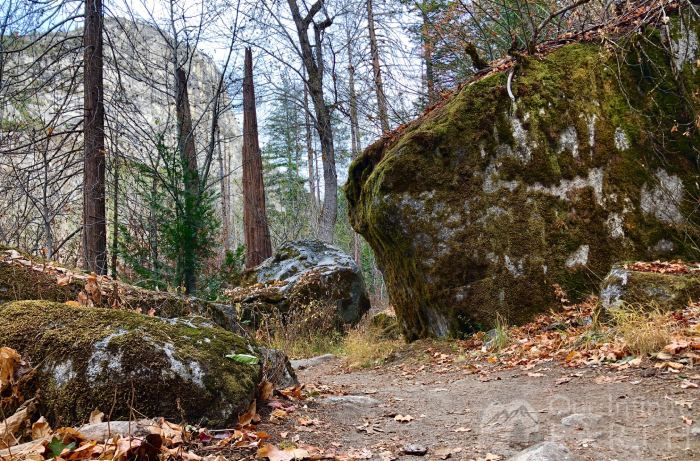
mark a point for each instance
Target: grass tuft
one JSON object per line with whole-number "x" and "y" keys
{"x": 643, "y": 330}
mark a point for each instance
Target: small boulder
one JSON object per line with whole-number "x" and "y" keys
{"x": 121, "y": 362}
{"x": 664, "y": 286}
{"x": 386, "y": 324}
{"x": 545, "y": 451}
{"x": 304, "y": 273}
{"x": 582, "y": 420}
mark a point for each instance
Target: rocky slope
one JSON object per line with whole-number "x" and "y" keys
{"x": 489, "y": 206}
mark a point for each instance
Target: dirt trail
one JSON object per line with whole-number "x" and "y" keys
{"x": 599, "y": 414}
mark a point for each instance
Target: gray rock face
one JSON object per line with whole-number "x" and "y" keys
{"x": 654, "y": 290}
{"x": 304, "y": 273}
{"x": 117, "y": 360}
{"x": 277, "y": 368}
{"x": 545, "y": 451}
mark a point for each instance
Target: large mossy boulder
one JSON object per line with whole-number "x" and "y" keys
{"x": 127, "y": 364}
{"x": 303, "y": 274}
{"x": 488, "y": 206}
{"x": 650, "y": 286}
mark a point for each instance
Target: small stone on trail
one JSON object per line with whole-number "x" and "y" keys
{"x": 361, "y": 400}
{"x": 415, "y": 449}
{"x": 544, "y": 451}
{"x": 302, "y": 364}
{"x": 581, "y": 420}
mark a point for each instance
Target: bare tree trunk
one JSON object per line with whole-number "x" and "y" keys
{"x": 225, "y": 200}
{"x": 257, "y": 233}
{"x": 313, "y": 64}
{"x": 153, "y": 230}
{"x": 377, "y": 70}
{"x": 188, "y": 156}
{"x": 115, "y": 214}
{"x": 46, "y": 212}
{"x": 311, "y": 160}
{"x": 94, "y": 209}
{"x": 428, "y": 57}
{"x": 354, "y": 134}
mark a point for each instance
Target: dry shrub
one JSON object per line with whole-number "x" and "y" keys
{"x": 366, "y": 345}
{"x": 644, "y": 329}
{"x": 304, "y": 331}
{"x": 499, "y": 337}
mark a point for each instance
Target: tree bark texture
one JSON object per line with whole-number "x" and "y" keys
{"x": 313, "y": 64}
{"x": 256, "y": 231}
{"x": 377, "y": 70}
{"x": 94, "y": 208}
{"x": 188, "y": 157}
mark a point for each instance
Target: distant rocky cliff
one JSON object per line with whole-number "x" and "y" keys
{"x": 43, "y": 95}
{"x": 489, "y": 206}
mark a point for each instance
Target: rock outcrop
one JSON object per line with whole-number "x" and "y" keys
{"x": 489, "y": 206}
{"x": 643, "y": 286}
{"x": 121, "y": 361}
{"x": 304, "y": 273}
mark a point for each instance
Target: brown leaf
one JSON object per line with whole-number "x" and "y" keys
{"x": 11, "y": 428}
{"x": 9, "y": 362}
{"x": 273, "y": 453}
{"x": 63, "y": 280}
{"x": 96, "y": 416}
{"x": 265, "y": 390}
{"x": 41, "y": 429}
{"x": 250, "y": 414}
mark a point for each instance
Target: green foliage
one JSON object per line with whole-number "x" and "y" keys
{"x": 181, "y": 229}
{"x": 285, "y": 164}
{"x": 243, "y": 358}
{"x": 56, "y": 447}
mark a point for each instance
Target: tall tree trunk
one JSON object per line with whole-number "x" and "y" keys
{"x": 311, "y": 160}
{"x": 428, "y": 56}
{"x": 354, "y": 134}
{"x": 188, "y": 157}
{"x": 257, "y": 233}
{"x": 377, "y": 70}
{"x": 313, "y": 64}
{"x": 115, "y": 213}
{"x": 153, "y": 229}
{"x": 225, "y": 198}
{"x": 94, "y": 208}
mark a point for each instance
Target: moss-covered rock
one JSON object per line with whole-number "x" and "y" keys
{"x": 128, "y": 364}
{"x": 386, "y": 324}
{"x": 301, "y": 274}
{"x": 625, "y": 286}
{"x": 486, "y": 206}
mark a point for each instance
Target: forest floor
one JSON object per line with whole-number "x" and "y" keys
{"x": 429, "y": 396}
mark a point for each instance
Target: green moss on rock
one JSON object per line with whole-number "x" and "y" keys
{"x": 648, "y": 290}
{"x": 486, "y": 207}
{"x": 123, "y": 362}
